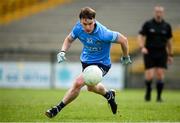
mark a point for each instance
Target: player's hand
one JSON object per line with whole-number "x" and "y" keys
{"x": 61, "y": 56}
{"x": 170, "y": 60}
{"x": 125, "y": 60}
{"x": 144, "y": 50}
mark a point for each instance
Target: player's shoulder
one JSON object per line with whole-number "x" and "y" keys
{"x": 100, "y": 26}
{"x": 78, "y": 25}
{"x": 105, "y": 34}
{"x": 101, "y": 29}
{"x": 166, "y": 23}
{"x": 77, "y": 28}
{"x": 150, "y": 21}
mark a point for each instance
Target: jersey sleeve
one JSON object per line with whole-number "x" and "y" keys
{"x": 169, "y": 34}
{"x": 110, "y": 36}
{"x": 74, "y": 32}
{"x": 143, "y": 30}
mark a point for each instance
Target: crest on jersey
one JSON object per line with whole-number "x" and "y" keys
{"x": 98, "y": 42}
{"x": 89, "y": 40}
{"x": 152, "y": 30}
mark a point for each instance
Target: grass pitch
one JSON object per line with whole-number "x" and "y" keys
{"x": 30, "y": 104}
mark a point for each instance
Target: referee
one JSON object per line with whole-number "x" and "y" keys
{"x": 156, "y": 46}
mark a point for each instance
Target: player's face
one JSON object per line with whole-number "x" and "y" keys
{"x": 158, "y": 13}
{"x": 88, "y": 24}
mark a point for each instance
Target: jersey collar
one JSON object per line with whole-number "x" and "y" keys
{"x": 162, "y": 21}
{"x": 95, "y": 28}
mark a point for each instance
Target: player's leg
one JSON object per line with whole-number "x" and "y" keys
{"x": 149, "y": 75}
{"x": 159, "y": 84}
{"x": 99, "y": 89}
{"x": 71, "y": 94}
{"x": 161, "y": 65}
{"x": 109, "y": 95}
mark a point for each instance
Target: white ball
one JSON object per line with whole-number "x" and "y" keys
{"x": 92, "y": 75}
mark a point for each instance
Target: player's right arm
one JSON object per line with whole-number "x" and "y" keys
{"x": 67, "y": 43}
{"x": 142, "y": 38}
{"x": 141, "y": 42}
{"x": 71, "y": 37}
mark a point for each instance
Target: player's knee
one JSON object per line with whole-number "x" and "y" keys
{"x": 79, "y": 82}
{"x": 160, "y": 75}
{"x": 149, "y": 76}
{"x": 90, "y": 88}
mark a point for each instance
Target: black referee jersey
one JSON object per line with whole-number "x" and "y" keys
{"x": 156, "y": 33}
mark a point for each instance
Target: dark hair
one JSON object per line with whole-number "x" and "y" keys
{"x": 87, "y": 13}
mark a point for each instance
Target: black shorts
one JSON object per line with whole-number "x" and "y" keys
{"x": 151, "y": 61}
{"x": 104, "y": 68}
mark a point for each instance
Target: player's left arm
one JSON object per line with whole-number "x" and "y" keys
{"x": 121, "y": 39}
{"x": 118, "y": 38}
{"x": 170, "y": 51}
{"x": 169, "y": 45}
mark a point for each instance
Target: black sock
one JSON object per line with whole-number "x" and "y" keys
{"x": 159, "y": 86}
{"x": 148, "y": 86}
{"x": 148, "y": 90}
{"x": 61, "y": 105}
{"x": 107, "y": 95}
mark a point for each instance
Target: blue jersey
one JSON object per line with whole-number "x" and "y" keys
{"x": 96, "y": 45}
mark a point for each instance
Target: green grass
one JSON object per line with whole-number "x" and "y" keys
{"x": 30, "y": 105}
